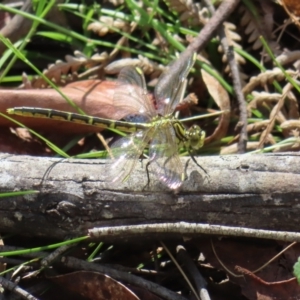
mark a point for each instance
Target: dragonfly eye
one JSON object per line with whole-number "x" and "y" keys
{"x": 196, "y": 137}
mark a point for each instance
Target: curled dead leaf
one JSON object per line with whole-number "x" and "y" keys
{"x": 221, "y": 97}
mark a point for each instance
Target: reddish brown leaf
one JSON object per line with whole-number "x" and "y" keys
{"x": 94, "y": 286}
{"x": 293, "y": 6}
{"x": 221, "y": 97}
{"x": 256, "y": 288}
{"x": 94, "y": 97}
{"x": 11, "y": 143}
{"x": 251, "y": 255}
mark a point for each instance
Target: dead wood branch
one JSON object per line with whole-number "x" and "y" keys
{"x": 255, "y": 191}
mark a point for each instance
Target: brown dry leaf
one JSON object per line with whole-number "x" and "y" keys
{"x": 143, "y": 293}
{"x": 5, "y": 18}
{"x": 261, "y": 98}
{"x": 251, "y": 254}
{"x": 266, "y": 77}
{"x": 12, "y": 144}
{"x": 22, "y": 133}
{"x": 233, "y": 39}
{"x": 252, "y": 28}
{"x": 233, "y": 148}
{"x": 94, "y": 286}
{"x": 148, "y": 66}
{"x": 108, "y": 24}
{"x": 293, "y": 106}
{"x": 256, "y": 288}
{"x": 292, "y": 7}
{"x": 221, "y": 97}
{"x": 189, "y": 101}
{"x": 94, "y": 97}
{"x": 253, "y": 128}
{"x": 290, "y": 124}
{"x": 273, "y": 115}
{"x": 64, "y": 72}
{"x": 259, "y": 23}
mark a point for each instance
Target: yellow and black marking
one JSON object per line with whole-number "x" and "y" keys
{"x": 180, "y": 131}
{"x": 192, "y": 138}
{"x": 77, "y": 118}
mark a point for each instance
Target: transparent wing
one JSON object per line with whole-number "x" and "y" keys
{"x": 170, "y": 87}
{"x": 164, "y": 159}
{"x": 131, "y": 96}
{"x": 126, "y": 152}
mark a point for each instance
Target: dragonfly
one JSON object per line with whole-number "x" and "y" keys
{"x": 151, "y": 125}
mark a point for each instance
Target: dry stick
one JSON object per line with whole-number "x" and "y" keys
{"x": 45, "y": 262}
{"x": 242, "y": 144}
{"x": 261, "y": 281}
{"x": 275, "y": 111}
{"x": 193, "y": 229}
{"x": 16, "y": 289}
{"x": 133, "y": 270}
{"x": 18, "y": 27}
{"x": 104, "y": 143}
{"x": 273, "y": 258}
{"x": 49, "y": 259}
{"x": 224, "y": 10}
{"x": 252, "y": 272}
{"x": 221, "y": 263}
{"x": 74, "y": 263}
{"x": 193, "y": 272}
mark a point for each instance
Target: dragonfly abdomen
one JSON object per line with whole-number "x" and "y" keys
{"x": 77, "y": 118}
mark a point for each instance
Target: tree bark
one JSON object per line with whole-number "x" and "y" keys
{"x": 255, "y": 191}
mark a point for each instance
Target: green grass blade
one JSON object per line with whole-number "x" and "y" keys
{"x": 21, "y": 56}
{"x": 43, "y": 248}
{"x": 287, "y": 76}
{"x": 48, "y": 143}
{"x": 19, "y": 193}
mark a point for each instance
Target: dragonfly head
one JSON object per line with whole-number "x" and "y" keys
{"x": 196, "y": 137}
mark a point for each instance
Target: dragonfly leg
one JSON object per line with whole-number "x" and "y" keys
{"x": 49, "y": 169}
{"x": 147, "y": 172}
{"x": 195, "y": 161}
{"x": 148, "y": 175}
{"x": 147, "y": 169}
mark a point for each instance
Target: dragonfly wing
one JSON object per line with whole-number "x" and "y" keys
{"x": 164, "y": 159}
{"x": 170, "y": 87}
{"x": 126, "y": 152}
{"x": 131, "y": 96}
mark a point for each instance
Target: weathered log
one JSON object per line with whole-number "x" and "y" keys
{"x": 255, "y": 191}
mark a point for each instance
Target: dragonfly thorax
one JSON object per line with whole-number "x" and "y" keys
{"x": 161, "y": 120}
{"x": 195, "y": 137}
